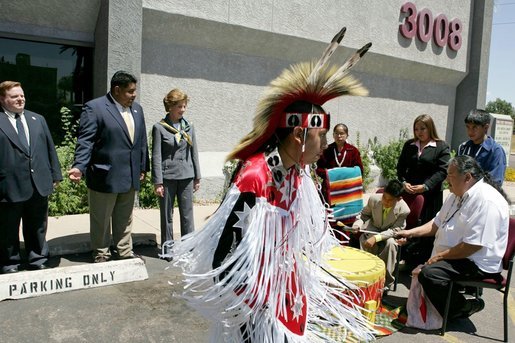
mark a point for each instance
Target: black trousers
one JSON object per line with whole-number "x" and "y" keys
{"x": 435, "y": 280}
{"x": 33, "y": 213}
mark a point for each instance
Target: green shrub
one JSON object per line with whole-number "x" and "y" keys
{"x": 386, "y": 156}
{"x": 228, "y": 170}
{"x": 510, "y": 174}
{"x": 445, "y": 184}
{"x": 364, "y": 151}
{"x": 146, "y": 196}
{"x": 68, "y": 197}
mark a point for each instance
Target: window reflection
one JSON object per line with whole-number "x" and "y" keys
{"x": 52, "y": 76}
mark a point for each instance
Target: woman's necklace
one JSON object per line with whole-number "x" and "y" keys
{"x": 336, "y": 154}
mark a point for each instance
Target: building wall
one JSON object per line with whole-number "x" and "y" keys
{"x": 224, "y": 53}
{"x": 50, "y": 20}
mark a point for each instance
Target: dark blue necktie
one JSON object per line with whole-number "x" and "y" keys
{"x": 21, "y": 132}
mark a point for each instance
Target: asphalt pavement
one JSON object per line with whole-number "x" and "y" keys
{"x": 152, "y": 311}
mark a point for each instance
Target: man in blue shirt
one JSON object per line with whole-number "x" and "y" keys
{"x": 488, "y": 153}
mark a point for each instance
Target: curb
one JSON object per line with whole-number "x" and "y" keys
{"x": 80, "y": 243}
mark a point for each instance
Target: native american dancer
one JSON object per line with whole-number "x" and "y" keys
{"x": 255, "y": 267}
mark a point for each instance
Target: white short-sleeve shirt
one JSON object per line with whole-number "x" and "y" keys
{"x": 479, "y": 217}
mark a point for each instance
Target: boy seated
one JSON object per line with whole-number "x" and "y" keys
{"x": 385, "y": 214}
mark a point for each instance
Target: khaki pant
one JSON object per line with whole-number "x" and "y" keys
{"x": 386, "y": 251}
{"x": 111, "y": 211}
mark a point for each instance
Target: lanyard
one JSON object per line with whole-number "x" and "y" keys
{"x": 477, "y": 152}
{"x": 458, "y": 207}
{"x": 336, "y": 157}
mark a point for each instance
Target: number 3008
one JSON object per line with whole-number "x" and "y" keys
{"x": 422, "y": 24}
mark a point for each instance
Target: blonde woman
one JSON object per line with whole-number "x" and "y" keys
{"x": 175, "y": 164}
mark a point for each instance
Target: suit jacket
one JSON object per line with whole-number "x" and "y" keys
{"x": 371, "y": 217}
{"x": 172, "y": 160}
{"x": 430, "y": 168}
{"x": 104, "y": 151}
{"x": 18, "y": 166}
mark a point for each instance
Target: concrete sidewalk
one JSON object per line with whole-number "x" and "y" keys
{"x": 70, "y": 234}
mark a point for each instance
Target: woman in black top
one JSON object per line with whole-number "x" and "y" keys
{"x": 422, "y": 168}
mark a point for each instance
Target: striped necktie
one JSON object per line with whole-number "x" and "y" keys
{"x": 21, "y": 132}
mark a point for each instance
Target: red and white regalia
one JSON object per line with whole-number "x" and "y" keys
{"x": 254, "y": 269}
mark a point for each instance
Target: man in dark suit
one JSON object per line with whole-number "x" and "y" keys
{"x": 112, "y": 153}
{"x": 29, "y": 171}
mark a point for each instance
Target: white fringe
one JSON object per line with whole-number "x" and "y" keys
{"x": 274, "y": 243}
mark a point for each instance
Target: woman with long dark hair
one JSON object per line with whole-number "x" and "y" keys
{"x": 422, "y": 168}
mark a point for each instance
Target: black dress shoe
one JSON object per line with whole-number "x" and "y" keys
{"x": 101, "y": 259}
{"x": 38, "y": 266}
{"x": 166, "y": 258}
{"x": 471, "y": 306}
{"x": 476, "y": 305}
{"x": 10, "y": 270}
{"x": 386, "y": 290}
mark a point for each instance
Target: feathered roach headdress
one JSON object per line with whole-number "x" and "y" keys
{"x": 312, "y": 82}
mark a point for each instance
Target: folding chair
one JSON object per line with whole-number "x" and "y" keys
{"x": 500, "y": 284}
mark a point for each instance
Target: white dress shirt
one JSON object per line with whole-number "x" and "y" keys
{"x": 12, "y": 118}
{"x": 479, "y": 217}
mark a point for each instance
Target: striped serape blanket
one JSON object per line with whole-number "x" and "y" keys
{"x": 345, "y": 193}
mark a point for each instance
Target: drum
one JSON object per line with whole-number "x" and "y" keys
{"x": 345, "y": 193}
{"x": 364, "y": 270}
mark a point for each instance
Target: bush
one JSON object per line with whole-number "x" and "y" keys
{"x": 386, "y": 156}
{"x": 510, "y": 174}
{"x": 146, "y": 196}
{"x": 68, "y": 197}
{"x": 366, "y": 160}
{"x": 228, "y": 169}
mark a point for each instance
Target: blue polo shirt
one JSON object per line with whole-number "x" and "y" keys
{"x": 489, "y": 155}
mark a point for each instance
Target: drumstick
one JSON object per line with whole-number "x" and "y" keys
{"x": 331, "y": 274}
{"x": 349, "y": 228}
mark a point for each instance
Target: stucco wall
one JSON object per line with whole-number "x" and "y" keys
{"x": 366, "y": 21}
{"x": 223, "y": 55}
{"x": 50, "y": 20}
